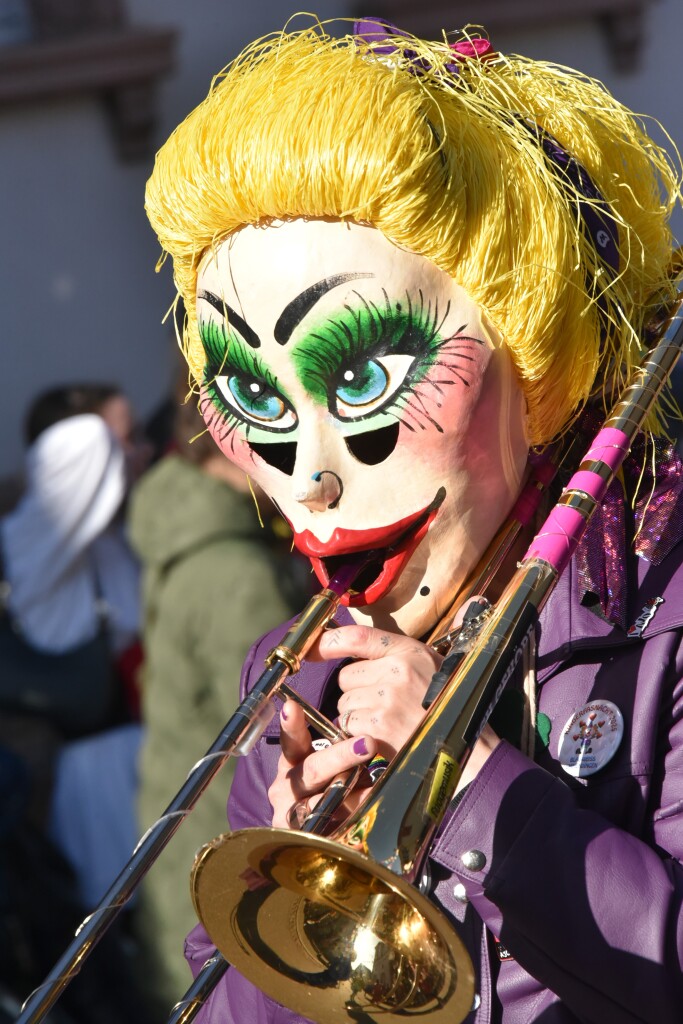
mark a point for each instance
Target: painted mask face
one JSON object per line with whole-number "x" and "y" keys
{"x": 367, "y": 395}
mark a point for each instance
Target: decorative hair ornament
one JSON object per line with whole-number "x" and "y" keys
{"x": 593, "y": 210}
{"x": 476, "y": 46}
{"x": 381, "y": 36}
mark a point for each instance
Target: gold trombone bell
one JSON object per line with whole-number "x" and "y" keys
{"x": 328, "y": 932}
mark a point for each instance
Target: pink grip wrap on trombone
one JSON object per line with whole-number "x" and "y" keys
{"x": 610, "y": 446}
{"x": 558, "y": 537}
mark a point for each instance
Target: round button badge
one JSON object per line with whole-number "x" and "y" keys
{"x": 591, "y": 738}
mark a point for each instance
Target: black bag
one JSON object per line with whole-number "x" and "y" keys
{"x": 75, "y": 690}
{"x": 39, "y": 913}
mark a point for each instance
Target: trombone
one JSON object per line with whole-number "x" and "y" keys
{"x": 334, "y": 927}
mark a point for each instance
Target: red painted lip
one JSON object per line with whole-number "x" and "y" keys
{"x": 398, "y": 540}
{"x": 348, "y": 542}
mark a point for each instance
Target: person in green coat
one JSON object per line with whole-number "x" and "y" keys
{"x": 212, "y": 583}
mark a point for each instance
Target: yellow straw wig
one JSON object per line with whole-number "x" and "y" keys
{"x": 305, "y": 125}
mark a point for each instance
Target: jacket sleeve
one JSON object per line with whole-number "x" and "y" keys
{"x": 592, "y": 912}
{"x": 234, "y": 1000}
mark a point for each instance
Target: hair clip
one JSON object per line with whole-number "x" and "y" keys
{"x": 380, "y": 35}
{"x": 474, "y": 47}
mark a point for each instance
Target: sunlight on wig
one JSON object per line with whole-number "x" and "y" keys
{"x": 305, "y": 125}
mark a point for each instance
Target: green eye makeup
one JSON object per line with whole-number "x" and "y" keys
{"x": 238, "y": 381}
{"x": 358, "y": 362}
{"x": 367, "y": 361}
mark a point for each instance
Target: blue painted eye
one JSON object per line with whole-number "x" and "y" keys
{"x": 256, "y": 401}
{"x": 364, "y": 384}
{"x": 367, "y": 387}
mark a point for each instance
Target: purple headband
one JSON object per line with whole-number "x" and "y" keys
{"x": 592, "y": 206}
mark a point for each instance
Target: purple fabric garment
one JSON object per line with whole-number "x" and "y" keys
{"x": 583, "y": 880}
{"x": 658, "y": 524}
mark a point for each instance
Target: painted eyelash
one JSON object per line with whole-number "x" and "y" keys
{"x": 413, "y": 399}
{"x": 225, "y": 423}
{"x": 393, "y": 330}
{"x": 225, "y": 353}
{"x": 221, "y": 420}
{"x": 452, "y": 354}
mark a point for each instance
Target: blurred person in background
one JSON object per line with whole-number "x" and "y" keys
{"x": 68, "y": 641}
{"x": 211, "y": 579}
{"x": 71, "y": 581}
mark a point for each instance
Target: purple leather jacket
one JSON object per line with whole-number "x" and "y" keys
{"x": 581, "y": 879}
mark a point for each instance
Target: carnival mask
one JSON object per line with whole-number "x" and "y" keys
{"x": 367, "y": 394}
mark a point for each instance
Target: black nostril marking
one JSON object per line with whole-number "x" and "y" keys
{"x": 374, "y": 446}
{"x": 281, "y": 455}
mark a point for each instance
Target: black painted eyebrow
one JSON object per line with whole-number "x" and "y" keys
{"x": 234, "y": 319}
{"x": 296, "y": 310}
